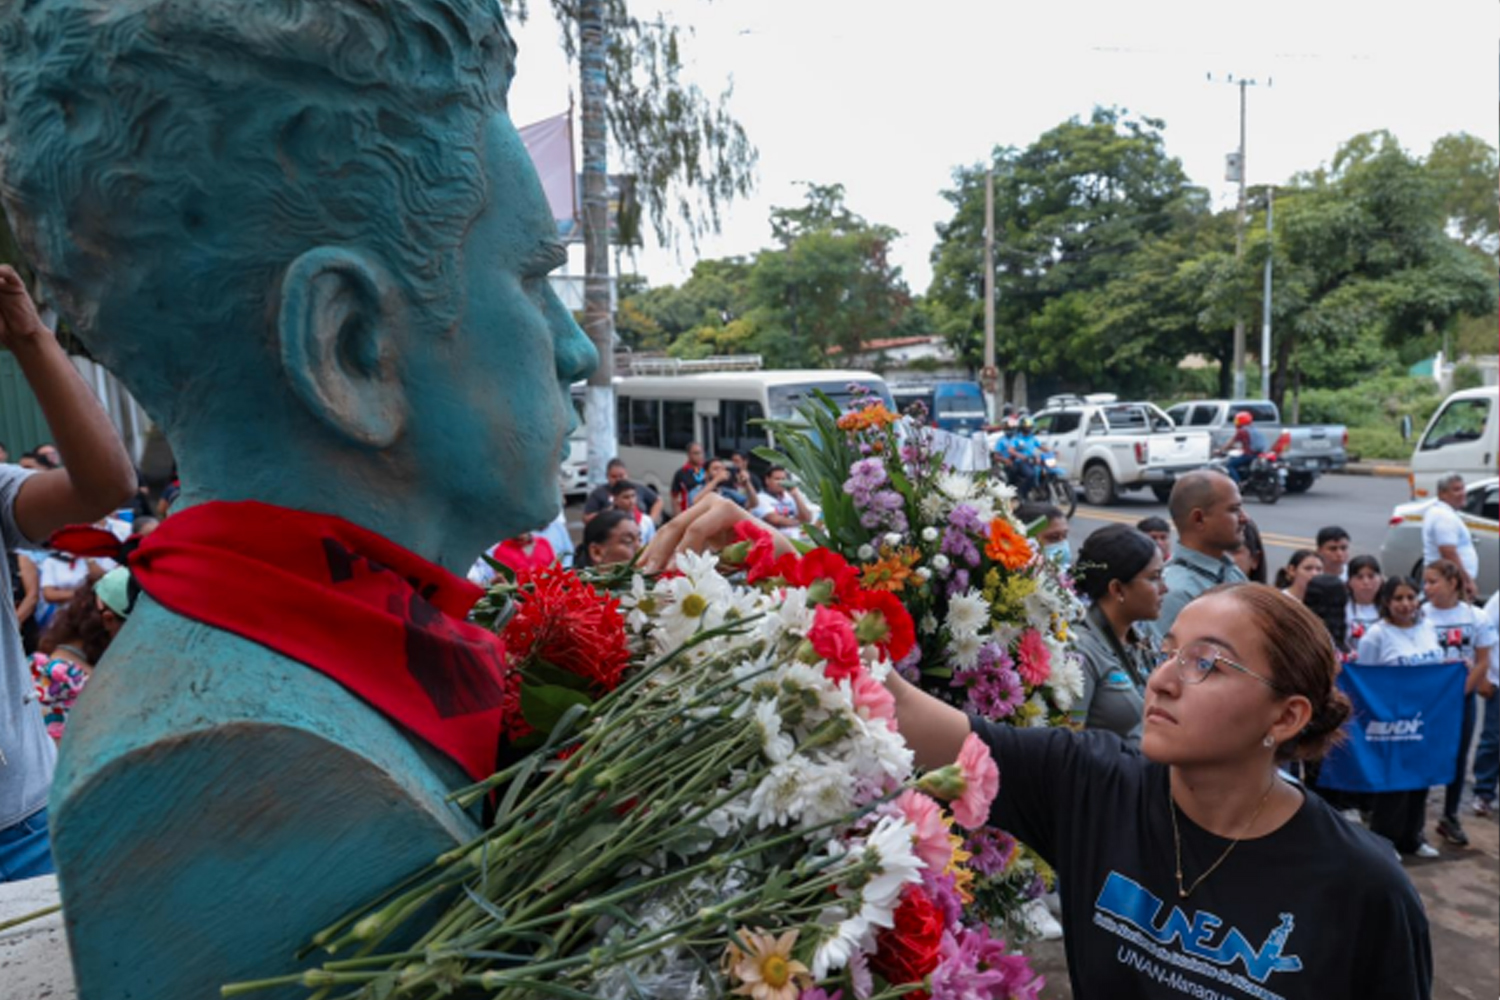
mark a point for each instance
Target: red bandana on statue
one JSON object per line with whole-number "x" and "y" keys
{"x": 384, "y": 623}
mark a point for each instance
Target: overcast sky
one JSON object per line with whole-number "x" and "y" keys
{"x": 887, "y": 98}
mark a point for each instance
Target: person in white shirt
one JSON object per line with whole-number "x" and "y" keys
{"x": 1400, "y": 639}
{"x": 625, "y": 497}
{"x": 1487, "y": 757}
{"x": 1364, "y": 584}
{"x": 1446, "y": 536}
{"x": 784, "y": 508}
{"x": 1333, "y": 549}
{"x": 1464, "y": 633}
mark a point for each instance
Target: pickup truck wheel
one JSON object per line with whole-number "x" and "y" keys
{"x": 1162, "y": 492}
{"x": 1299, "y": 482}
{"x": 1098, "y": 485}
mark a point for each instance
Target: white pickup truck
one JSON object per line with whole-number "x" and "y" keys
{"x": 1115, "y": 447}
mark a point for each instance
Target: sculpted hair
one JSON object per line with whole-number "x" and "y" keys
{"x": 1115, "y": 552}
{"x": 217, "y": 142}
{"x": 1302, "y": 663}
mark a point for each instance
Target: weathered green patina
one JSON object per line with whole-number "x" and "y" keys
{"x": 306, "y": 236}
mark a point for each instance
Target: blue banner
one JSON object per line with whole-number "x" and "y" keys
{"x": 1404, "y": 731}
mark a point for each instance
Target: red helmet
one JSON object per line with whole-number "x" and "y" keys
{"x": 1242, "y": 418}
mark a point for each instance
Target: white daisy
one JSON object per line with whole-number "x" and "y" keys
{"x": 956, "y": 486}
{"x": 963, "y": 652}
{"x": 842, "y": 937}
{"x": 775, "y": 744}
{"x": 929, "y": 534}
{"x": 967, "y": 613}
{"x": 889, "y": 846}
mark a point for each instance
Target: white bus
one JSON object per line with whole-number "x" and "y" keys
{"x": 657, "y": 417}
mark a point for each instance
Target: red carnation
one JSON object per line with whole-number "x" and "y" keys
{"x": 832, "y": 638}
{"x": 908, "y": 952}
{"x": 760, "y": 561}
{"x": 892, "y": 629}
{"x": 819, "y": 566}
{"x": 565, "y": 622}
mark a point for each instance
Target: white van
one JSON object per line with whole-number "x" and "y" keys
{"x": 1463, "y": 436}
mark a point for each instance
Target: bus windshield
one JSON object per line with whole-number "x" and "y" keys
{"x": 784, "y": 399}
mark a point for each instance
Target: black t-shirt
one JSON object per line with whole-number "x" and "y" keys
{"x": 1316, "y": 910}
{"x": 684, "y": 481}
{"x": 600, "y": 499}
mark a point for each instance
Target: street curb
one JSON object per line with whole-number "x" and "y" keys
{"x": 1375, "y": 469}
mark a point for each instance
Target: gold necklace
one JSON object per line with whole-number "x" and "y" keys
{"x": 1177, "y": 840}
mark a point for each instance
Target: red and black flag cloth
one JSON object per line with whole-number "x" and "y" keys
{"x": 384, "y": 623}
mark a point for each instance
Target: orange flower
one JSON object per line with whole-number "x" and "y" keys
{"x": 892, "y": 571}
{"x": 1007, "y": 545}
{"x": 870, "y": 417}
{"x": 767, "y": 970}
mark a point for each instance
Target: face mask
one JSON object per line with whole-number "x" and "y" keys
{"x": 1060, "y": 552}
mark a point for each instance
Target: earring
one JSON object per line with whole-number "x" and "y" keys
{"x": 1122, "y": 598}
{"x": 1268, "y": 741}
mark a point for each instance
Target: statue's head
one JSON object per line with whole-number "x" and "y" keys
{"x": 307, "y": 237}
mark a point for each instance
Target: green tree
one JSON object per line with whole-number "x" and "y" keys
{"x": 1084, "y": 216}
{"x": 830, "y": 287}
{"x": 1363, "y": 252}
{"x": 1464, "y": 169}
{"x": 687, "y": 153}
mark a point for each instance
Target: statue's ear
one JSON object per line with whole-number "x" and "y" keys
{"x": 340, "y": 322}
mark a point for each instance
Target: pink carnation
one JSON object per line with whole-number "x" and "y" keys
{"x": 1033, "y": 659}
{"x": 981, "y": 783}
{"x": 926, "y": 817}
{"x": 873, "y": 701}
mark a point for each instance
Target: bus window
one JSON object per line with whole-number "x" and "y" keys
{"x": 737, "y": 432}
{"x": 677, "y": 424}
{"x": 644, "y": 421}
{"x": 785, "y": 399}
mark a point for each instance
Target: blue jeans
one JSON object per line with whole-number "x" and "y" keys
{"x": 1487, "y": 757}
{"x": 1237, "y": 466}
{"x": 25, "y": 849}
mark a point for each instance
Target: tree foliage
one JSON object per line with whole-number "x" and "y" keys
{"x": 689, "y": 155}
{"x": 826, "y": 290}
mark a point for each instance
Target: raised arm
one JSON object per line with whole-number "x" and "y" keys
{"x": 934, "y": 730}
{"x": 97, "y": 476}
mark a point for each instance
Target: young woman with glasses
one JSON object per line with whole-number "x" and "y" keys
{"x": 1193, "y": 866}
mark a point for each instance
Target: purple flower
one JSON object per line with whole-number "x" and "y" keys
{"x": 909, "y": 666}
{"x": 965, "y": 518}
{"x": 974, "y": 966}
{"x": 993, "y": 850}
{"x": 817, "y": 993}
{"x": 942, "y": 889}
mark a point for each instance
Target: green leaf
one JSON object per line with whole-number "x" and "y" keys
{"x": 542, "y": 673}
{"x": 543, "y": 705}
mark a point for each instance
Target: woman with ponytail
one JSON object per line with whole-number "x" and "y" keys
{"x": 1195, "y": 857}
{"x": 1119, "y": 569}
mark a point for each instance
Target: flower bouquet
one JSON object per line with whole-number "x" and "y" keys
{"x": 716, "y": 803}
{"x": 993, "y": 615}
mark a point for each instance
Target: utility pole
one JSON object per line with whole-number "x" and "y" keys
{"x": 1236, "y": 171}
{"x": 1265, "y": 305}
{"x": 991, "y": 375}
{"x": 598, "y": 309}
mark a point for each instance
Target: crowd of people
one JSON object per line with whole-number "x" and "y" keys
{"x": 1139, "y": 580}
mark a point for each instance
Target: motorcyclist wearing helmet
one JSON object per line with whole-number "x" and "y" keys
{"x": 1245, "y": 441}
{"x": 1027, "y": 450}
{"x": 1005, "y": 443}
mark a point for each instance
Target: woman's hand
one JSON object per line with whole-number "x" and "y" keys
{"x": 707, "y": 526}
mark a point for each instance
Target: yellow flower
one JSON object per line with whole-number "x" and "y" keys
{"x": 963, "y": 878}
{"x": 766, "y": 969}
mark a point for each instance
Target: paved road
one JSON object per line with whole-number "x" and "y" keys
{"x": 1360, "y": 504}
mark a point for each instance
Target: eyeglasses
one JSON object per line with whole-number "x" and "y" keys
{"x": 1197, "y": 661}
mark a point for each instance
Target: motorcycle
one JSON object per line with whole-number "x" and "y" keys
{"x": 1264, "y": 478}
{"x": 1050, "y": 485}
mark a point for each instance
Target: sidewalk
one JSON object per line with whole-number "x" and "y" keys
{"x": 1461, "y": 891}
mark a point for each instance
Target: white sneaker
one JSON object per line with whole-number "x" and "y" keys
{"x": 1353, "y": 816}
{"x": 1426, "y": 850}
{"x": 1039, "y": 921}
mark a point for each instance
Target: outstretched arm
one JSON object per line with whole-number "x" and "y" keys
{"x": 97, "y": 476}
{"x": 934, "y": 730}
